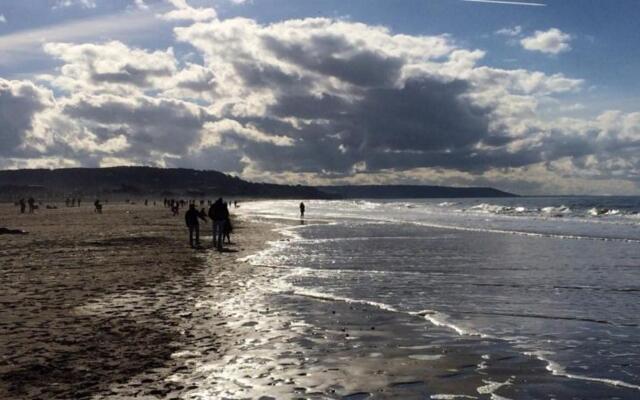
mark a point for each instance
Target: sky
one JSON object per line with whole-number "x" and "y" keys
{"x": 535, "y": 97}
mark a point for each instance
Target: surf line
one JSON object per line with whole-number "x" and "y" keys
{"x": 557, "y": 370}
{"x": 499, "y": 231}
{"x": 436, "y": 318}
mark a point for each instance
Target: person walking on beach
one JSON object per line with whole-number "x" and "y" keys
{"x": 23, "y": 206}
{"x": 32, "y": 205}
{"x": 191, "y": 218}
{"x": 301, "y": 210}
{"x": 228, "y": 228}
{"x": 98, "y": 206}
{"x": 218, "y": 214}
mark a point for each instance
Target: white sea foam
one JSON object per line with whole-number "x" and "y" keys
{"x": 491, "y": 387}
{"x": 556, "y": 211}
{"x": 597, "y": 212}
{"x": 559, "y": 370}
{"x": 443, "y": 320}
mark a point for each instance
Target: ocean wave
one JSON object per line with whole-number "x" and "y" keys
{"x": 597, "y": 212}
{"x": 559, "y": 370}
{"x": 556, "y": 211}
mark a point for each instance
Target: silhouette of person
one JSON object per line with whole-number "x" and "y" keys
{"x": 302, "y": 210}
{"x": 23, "y": 206}
{"x": 98, "y": 206}
{"x": 228, "y": 228}
{"x": 191, "y": 219}
{"x": 32, "y": 204}
{"x": 218, "y": 214}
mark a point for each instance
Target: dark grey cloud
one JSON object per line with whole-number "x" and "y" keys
{"x": 130, "y": 74}
{"x": 424, "y": 123}
{"x": 19, "y": 102}
{"x": 333, "y": 55}
{"x": 151, "y": 125}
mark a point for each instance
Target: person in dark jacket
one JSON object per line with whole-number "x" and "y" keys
{"x": 228, "y": 228}
{"x": 191, "y": 218}
{"x": 218, "y": 214}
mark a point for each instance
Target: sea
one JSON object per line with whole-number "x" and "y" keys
{"x": 555, "y": 278}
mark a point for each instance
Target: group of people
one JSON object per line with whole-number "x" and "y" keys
{"x": 22, "y": 203}
{"x": 71, "y": 202}
{"x": 220, "y": 223}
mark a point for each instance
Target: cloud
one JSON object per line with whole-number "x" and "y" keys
{"x": 110, "y": 66}
{"x": 20, "y": 101}
{"x": 349, "y": 95}
{"x": 3, "y": 19}
{"x": 141, "y": 4}
{"x": 74, "y": 3}
{"x": 151, "y": 126}
{"x": 23, "y": 45}
{"x": 183, "y": 11}
{"x": 513, "y": 31}
{"x": 553, "y": 41}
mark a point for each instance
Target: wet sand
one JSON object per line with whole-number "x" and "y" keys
{"x": 117, "y": 306}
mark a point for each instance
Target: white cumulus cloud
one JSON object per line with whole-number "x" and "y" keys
{"x": 513, "y": 31}
{"x": 553, "y": 41}
{"x": 183, "y": 11}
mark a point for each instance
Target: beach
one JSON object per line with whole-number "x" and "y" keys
{"x": 116, "y": 305}
{"x": 99, "y": 304}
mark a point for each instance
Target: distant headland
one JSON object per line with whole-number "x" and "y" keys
{"x": 130, "y": 182}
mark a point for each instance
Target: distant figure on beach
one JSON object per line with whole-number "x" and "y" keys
{"x": 191, "y": 218}
{"x": 98, "y": 206}
{"x": 175, "y": 208}
{"x": 218, "y": 214}
{"x": 301, "y": 210}
{"x": 78, "y": 202}
{"x": 23, "y": 206}
{"x": 32, "y": 205}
